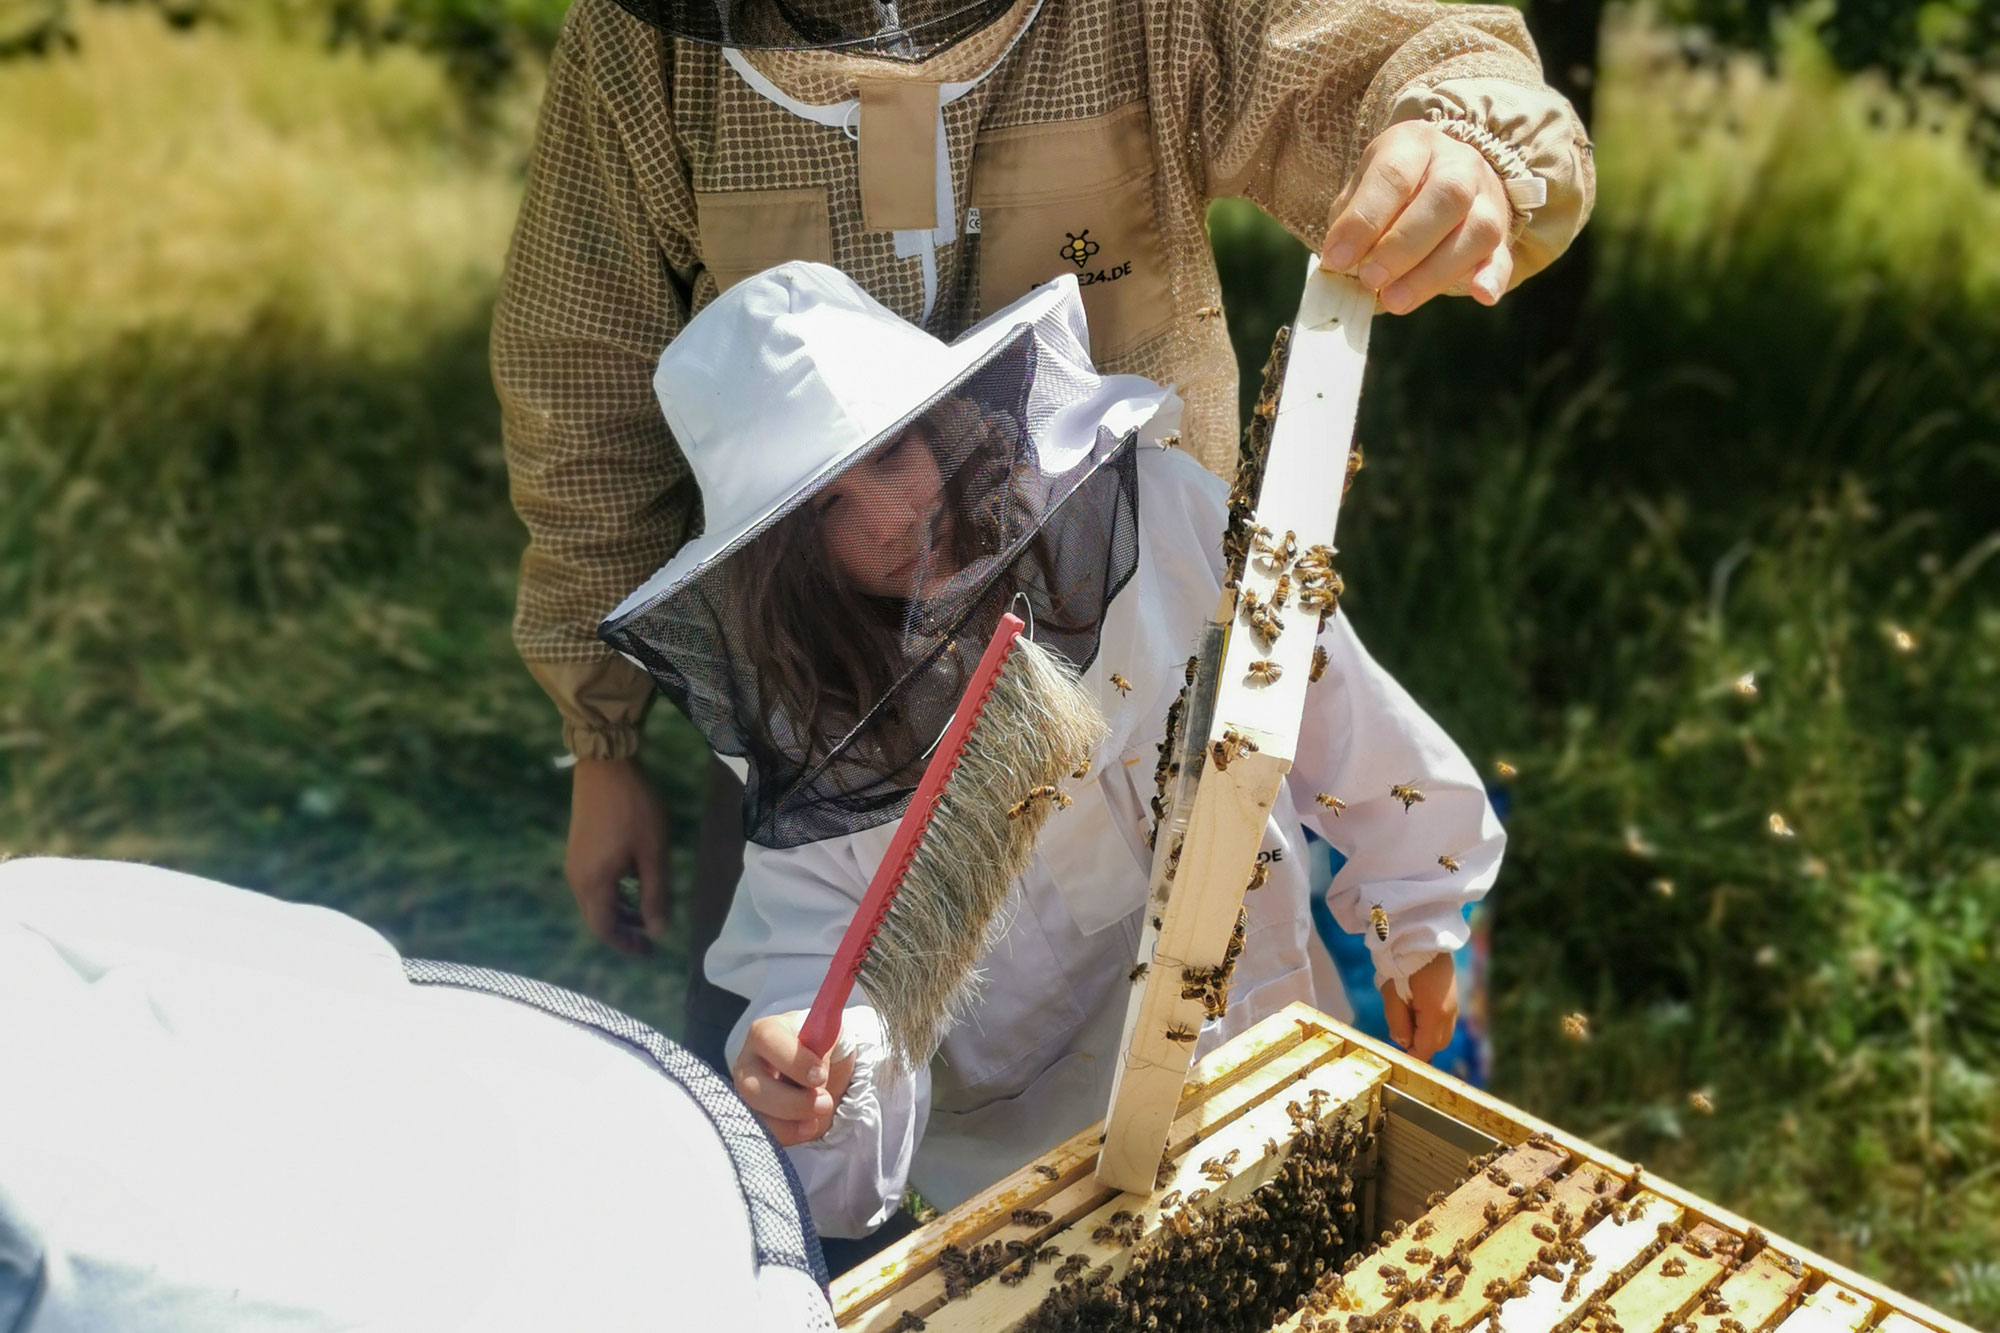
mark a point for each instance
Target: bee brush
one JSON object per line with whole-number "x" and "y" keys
{"x": 1024, "y": 723}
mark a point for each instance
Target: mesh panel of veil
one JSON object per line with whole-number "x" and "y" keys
{"x": 792, "y": 650}
{"x": 909, "y": 29}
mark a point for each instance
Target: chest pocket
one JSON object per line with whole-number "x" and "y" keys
{"x": 744, "y": 232}
{"x": 1076, "y": 197}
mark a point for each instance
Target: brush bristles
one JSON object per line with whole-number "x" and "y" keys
{"x": 1039, "y": 726}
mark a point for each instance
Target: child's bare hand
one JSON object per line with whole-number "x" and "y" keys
{"x": 792, "y": 1089}
{"x": 1423, "y": 1024}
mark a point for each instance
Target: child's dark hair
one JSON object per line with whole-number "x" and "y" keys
{"x": 827, "y": 654}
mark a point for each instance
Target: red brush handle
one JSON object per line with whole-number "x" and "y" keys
{"x": 822, "y": 1026}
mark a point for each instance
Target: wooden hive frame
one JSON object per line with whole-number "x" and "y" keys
{"x": 1664, "y": 1260}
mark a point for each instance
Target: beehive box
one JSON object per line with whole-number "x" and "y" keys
{"x": 1316, "y": 1179}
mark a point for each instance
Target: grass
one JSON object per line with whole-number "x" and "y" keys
{"x": 256, "y": 569}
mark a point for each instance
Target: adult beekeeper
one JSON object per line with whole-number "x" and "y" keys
{"x": 949, "y": 155}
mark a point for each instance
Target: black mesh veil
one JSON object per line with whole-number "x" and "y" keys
{"x": 906, "y": 29}
{"x": 828, "y": 646}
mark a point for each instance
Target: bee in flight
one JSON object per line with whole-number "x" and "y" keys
{"x": 1333, "y": 803}
{"x": 1137, "y": 972}
{"x": 1265, "y": 671}
{"x": 1120, "y": 684}
{"x": 1051, "y": 794}
{"x": 1379, "y": 921}
{"x": 1406, "y": 792}
{"x": 1576, "y": 1027}
{"x": 1449, "y": 863}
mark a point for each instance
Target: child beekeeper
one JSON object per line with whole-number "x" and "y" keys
{"x": 875, "y": 500}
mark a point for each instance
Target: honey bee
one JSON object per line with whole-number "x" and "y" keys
{"x": 1378, "y": 920}
{"x": 1137, "y": 972}
{"x": 1259, "y": 873}
{"x": 1902, "y": 638}
{"x": 1042, "y": 793}
{"x": 1323, "y": 600}
{"x": 1031, "y": 1217}
{"x": 1277, "y": 554}
{"x": 1746, "y": 684}
{"x": 1576, "y": 1027}
{"x": 1182, "y": 1033}
{"x": 1449, "y": 863}
{"x": 1158, "y": 922}
{"x": 1504, "y": 769}
{"x": 1318, "y": 666}
{"x": 1701, "y": 1102}
{"x": 1250, "y": 605}
{"x": 909, "y": 1323}
{"x": 1673, "y": 1267}
{"x": 1214, "y": 1170}
{"x": 1333, "y": 803}
{"x": 1044, "y": 1169}
{"x": 1268, "y": 626}
{"x": 1355, "y": 463}
{"x": 1120, "y": 684}
{"x": 1233, "y": 743}
{"x": 1265, "y": 671}
{"x": 1170, "y": 1200}
{"x": 1209, "y": 312}
{"x": 1082, "y": 769}
{"x": 1406, "y": 792}
{"x": 1779, "y": 828}
{"x": 1282, "y": 592}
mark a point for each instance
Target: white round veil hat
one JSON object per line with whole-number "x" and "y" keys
{"x": 793, "y": 374}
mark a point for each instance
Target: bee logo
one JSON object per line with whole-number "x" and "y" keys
{"x": 1079, "y": 248}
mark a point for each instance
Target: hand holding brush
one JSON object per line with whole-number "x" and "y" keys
{"x": 1024, "y": 725}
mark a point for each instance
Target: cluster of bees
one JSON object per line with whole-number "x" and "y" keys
{"x": 1243, "y": 1264}
{"x": 1210, "y": 985}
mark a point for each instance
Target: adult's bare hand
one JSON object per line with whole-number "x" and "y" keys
{"x": 1424, "y": 214}
{"x": 1423, "y": 1024}
{"x": 618, "y": 829}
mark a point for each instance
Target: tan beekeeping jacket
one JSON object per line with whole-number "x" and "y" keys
{"x": 1093, "y": 143}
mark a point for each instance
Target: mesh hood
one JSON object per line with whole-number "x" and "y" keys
{"x": 829, "y": 645}
{"x": 907, "y": 29}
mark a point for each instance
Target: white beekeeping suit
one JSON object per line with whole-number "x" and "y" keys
{"x": 227, "y": 1112}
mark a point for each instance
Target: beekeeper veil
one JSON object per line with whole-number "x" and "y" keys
{"x": 875, "y": 499}
{"x": 909, "y": 29}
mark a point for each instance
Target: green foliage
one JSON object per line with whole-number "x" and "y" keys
{"x": 1925, "y": 49}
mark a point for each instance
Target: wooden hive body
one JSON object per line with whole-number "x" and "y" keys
{"x": 1661, "y": 1259}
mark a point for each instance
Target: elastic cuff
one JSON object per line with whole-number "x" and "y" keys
{"x": 601, "y": 743}
{"x": 1526, "y": 191}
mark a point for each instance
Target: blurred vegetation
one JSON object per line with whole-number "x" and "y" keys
{"x": 1737, "y": 562}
